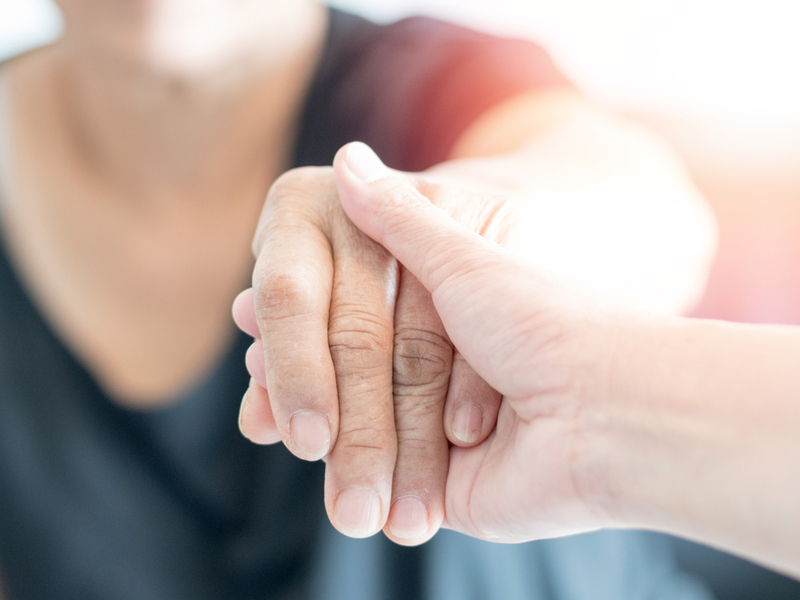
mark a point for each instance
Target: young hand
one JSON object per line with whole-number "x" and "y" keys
{"x": 541, "y": 343}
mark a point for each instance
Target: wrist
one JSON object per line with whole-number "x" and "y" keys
{"x": 622, "y": 451}
{"x": 695, "y": 434}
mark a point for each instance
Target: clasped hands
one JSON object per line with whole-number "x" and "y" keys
{"x": 352, "y": 364}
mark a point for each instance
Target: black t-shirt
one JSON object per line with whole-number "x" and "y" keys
{"x": 411, "y": 88}
{"x": 98, "y": 502}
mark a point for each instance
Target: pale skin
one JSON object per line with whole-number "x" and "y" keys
{"x": 518, "y": 198}
{"x": 144, "y": 145}
{"x": 610, "y": 417}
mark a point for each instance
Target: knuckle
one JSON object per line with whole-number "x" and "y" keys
{"x": 421, "y": 358}
{"x": 497, "y": 220}
{"x": 398, "y": 193}
{"x": 399, "y": 188}
{"x": 297, "y": 182}
{"x": 296, "y": 198}
{"x": 282, "y": 292}
{"x": 430, "y": 189}
{"x": 360, "y": 337}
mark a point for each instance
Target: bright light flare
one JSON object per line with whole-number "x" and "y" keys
{"x": 739, "y": 58}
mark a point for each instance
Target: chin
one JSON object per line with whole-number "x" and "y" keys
{"x": 174, "y": 38}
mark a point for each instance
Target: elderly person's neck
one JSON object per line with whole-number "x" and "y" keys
{"x": 183, "y": 113}
{"x": 139, "y": 174}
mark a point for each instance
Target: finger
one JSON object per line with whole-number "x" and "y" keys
{"x": 358, "y": 477}
{"x": 244, "y": 313}
{"x": 456, "y": 265}
{"x": 422, "y": 361}
{"x": 254, "y": 360}
{"x": 389, "y": 209}
{"x": 292, "y": 291}
{"x": 255, "y": 416}
{"x": 471, "y": 409}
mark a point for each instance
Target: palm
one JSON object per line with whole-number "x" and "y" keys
{"x": 523, "y": 468}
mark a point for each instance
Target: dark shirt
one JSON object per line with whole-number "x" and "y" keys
{"x": 101, "y": 503}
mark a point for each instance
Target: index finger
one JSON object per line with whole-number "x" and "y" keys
{"x": 292, "y": 293}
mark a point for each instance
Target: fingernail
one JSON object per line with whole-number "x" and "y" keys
{"x": 357, "y": 512}
{"x": 310, "y": 434}
{"x": 364, "y": 163}
{"x": 409, "y": 518}
{"x": 242, "y": 408}
{"x": 467, "y": 422}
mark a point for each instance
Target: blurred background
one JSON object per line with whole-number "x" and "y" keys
{"x": 719, "y": 79}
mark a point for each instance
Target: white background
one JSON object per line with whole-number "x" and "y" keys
{"x": 732, "y": 58}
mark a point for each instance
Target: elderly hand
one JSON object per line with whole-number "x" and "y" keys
{"x": 351, "y": 361}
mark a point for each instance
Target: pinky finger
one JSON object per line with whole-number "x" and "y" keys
{"x": 471, "y": 408}
{"x": 255, "y": 416}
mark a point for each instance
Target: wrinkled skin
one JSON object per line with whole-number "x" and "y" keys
{"x": 344, "y": 332}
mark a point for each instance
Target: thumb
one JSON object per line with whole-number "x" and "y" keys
{"x": 474, "y": 282}
{"x": 385, "y": 205}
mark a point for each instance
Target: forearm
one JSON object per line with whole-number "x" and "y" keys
{"x": 700, "y": 435}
